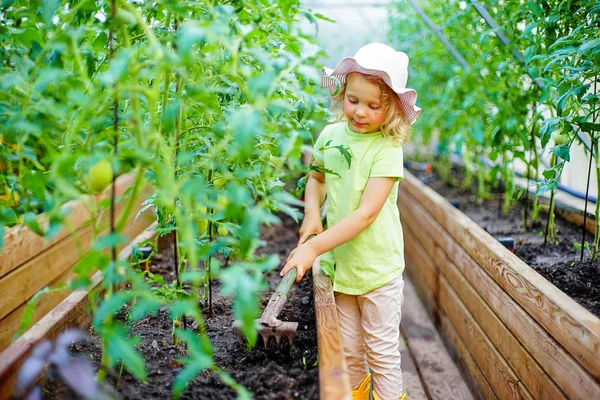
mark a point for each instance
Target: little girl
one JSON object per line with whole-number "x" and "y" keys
{"x": 357, "y": 165}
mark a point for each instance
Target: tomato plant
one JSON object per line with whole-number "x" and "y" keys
{"x": 503, "y": 109}
{"x": 210, "y": 102}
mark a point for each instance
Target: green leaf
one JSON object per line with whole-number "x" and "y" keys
{"x": 189, "y": 34}
{"x": 146, "y": 306}
{"x": 545, "y": 187}
{"x": 49, "y": 9}
{"x": 199, "y": 346}
{"x": 184, "y": 307}
{"x": 246, "y": 126}
{"x": 30, "y": 220}
{"x": 562, "y": 151}
{"x": 589, "y": 126}
{"x": 27, "y": 317}
{"x": 261, "y": 84}
{"x": 122, "y": 348}
{"x": 589, "y": 46}
{"x": 109, "y": 241}
{"x": 244, "y": 288}
{"x": 345, "y": 153}
{"x": 323, "y": 17}
{"x": 191, "y": 371}
{"x": 110, "y": 307}
{"x": 477, "y": 132}
{"x": 89, "y": 262}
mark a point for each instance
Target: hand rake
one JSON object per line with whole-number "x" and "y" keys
{"x": 268, "y": 324}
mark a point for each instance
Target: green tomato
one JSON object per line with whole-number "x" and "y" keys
{"x": 219, "y": 182}
{"x": 222, "y": 201}
{"x": 201, "y": 222}
{"x": 222, "y": 230}
{"x": 99, "y": 176}
{"x": 559, "y": 138}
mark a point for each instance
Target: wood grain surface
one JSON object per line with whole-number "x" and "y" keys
{"x": 70, "y": 313}
{"x": 21, "y": 244}
{"x": 334, "y": 380}
{"x": 498, "y": 373}
{"x": 527, "y": 340}
{"x": 575, "y": 328}
{"x": 440, "y": 375}
{"x": 473, "y": 375}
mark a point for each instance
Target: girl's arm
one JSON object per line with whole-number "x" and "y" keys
{"x": 314, "y": 196}
{"x": 373, "y": 198}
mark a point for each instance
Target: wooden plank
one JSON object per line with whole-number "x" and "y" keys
{"x": 333, "y": 375}
{"x": 21, "y": 244}
{"x": 439, "y": 373}
{"x": 575, "y": 328}
{"x": 568, "y": 374}
{"x": 72, "y": 312}
{"x": 527, "y": 368}
{"x": 416, "y": 285}
{"x": 577, "y": 219}
{"x": 501, "y": 376}
{"x": 10, "y": 323}
{"x": 413, "y": 387}
{"x": 21, "y": 284}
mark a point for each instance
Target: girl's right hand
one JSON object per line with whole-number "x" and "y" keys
{"x": 310, "y": 226}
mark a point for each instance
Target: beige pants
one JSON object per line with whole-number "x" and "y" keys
{"x": 370, "y": 328}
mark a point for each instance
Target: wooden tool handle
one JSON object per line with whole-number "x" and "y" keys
{"x": 278, "y": 299}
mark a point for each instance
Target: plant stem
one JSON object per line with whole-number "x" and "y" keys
{"x": 105, "y": 362}
{"x": 587, "y": 193}
{"x": 550, "y": 220}
{"x": 597, "y": 211}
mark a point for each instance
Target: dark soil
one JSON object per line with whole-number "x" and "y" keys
{"x": 556, "y": 261}
{"x": 278, "y": 372}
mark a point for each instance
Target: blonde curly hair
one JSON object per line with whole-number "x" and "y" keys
{"x": 394, "y": 126}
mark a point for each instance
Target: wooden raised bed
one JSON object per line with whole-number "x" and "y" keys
{"x": 515, "y": 333}
{"x": 28, "y": 264}
{"x": 334, "y": 381}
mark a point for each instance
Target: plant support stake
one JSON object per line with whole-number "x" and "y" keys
{"x": 587, "y": 192}
{"x": 440, "y": 35}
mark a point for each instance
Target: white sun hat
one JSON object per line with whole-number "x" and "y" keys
{"x": 380, "y": 60}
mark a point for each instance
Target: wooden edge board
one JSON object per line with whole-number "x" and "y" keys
{"x": 10, "y": 323}
{"x": 334, "y": 380}
{"x": 22, "y": 283}
{"x": 439, "y": 374}
{"x": 539, "y": 361}
{"x": 479, "y": 385}
{"x": 501, "y": 376}
{"x": 71, "y": 312}
{"x": 21, "y": 244}
{"x": 575, "y": 328}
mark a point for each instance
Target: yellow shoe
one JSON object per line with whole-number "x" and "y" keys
{"x": 403, "y": 397}
{"x": 362, "y": 393}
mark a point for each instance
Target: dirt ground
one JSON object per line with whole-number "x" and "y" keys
{"x": 284, "y": 372}
{"x": 556, "y": 261}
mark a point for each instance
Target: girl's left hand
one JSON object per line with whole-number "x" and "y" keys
{"x": 302, "y": 257}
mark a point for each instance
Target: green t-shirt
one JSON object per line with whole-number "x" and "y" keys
{"x": 376, "y": 256}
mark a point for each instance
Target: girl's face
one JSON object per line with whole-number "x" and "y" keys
{"x": 362, "y": 104}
